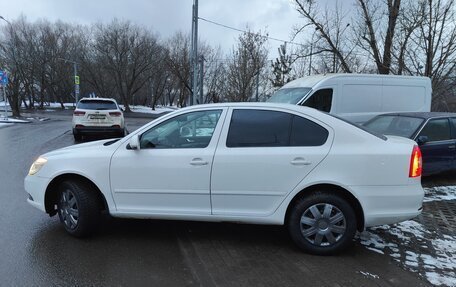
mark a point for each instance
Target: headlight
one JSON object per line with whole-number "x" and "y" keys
{"x": 37, "y": 165}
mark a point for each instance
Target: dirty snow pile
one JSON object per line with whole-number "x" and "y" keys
{"x": 420, "y": 250}
{"x": 439, "y": 193}
{"x": 412, "y": 245}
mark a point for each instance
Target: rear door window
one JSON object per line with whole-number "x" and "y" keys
{"x": 320, "y": 100}
{"x": 259, "y": 128}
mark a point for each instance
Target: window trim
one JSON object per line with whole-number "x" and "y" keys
{"x": 293, "y": 114}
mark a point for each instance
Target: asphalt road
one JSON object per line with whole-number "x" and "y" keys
{"x": 35, "y": 250}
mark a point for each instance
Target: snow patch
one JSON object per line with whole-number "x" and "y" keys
{"x": 439, "y": 193}
{"x": 11, "y": 120}
{"x": 437, "y": 262}
{"x": 367, "y": 274}
{"x": 148, "y": 110}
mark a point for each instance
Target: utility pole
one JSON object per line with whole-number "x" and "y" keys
{"x": 194, "y": 55}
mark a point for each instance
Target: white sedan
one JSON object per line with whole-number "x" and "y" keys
{"x": 322, "y": 177}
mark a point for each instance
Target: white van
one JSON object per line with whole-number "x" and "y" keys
{"x": 358, "y": 97}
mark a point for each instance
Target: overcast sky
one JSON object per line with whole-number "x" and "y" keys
{"x": 168, "y": 16}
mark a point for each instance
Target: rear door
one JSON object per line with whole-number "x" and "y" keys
{"x": 438, "y": 151}
{"x": 261, "y": 156}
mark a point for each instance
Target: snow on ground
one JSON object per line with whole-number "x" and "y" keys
{"x": 4, "y": 125}
{"x": 11, "y": 120}
{"x": 148, "y": 110}
{"x": 440, "y": 193}
{"x": 436, "y": 259}
{"x": 138, "y": 109}
{"x": 430, "y": 254}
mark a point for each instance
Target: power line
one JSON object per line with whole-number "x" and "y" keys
{"x": 244, "y": 31}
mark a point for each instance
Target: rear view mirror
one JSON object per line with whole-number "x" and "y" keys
{"x": 134, "y": 143}
{"x": 422, "y": 140}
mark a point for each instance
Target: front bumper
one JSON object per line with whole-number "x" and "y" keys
{"x": 389, "y": 204}
{"x": 36, "y": 186}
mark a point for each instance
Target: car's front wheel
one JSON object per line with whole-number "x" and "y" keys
{"x": 322, "y": 223}
{"x": 78, "y": 208}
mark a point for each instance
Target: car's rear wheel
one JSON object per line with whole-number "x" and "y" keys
{"x": 77, "y": 138}
{"x": 78, "y": 208}
{"x": 322, "y": 223}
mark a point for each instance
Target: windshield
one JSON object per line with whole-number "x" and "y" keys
{"x": 289, "y": 96}
{"x": 394, "y": 125}
{"x": 97, "y": 105}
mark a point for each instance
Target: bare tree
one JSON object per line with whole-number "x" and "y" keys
{"x": 126, "y": 51}
{"x": 245, "y": 66}
{"x": 375, "y": 34}
{"x": 330, "y": 28}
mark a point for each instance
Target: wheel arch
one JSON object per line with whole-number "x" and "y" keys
{"x": 51, "y": 194}
{"x": 333, "y": 189}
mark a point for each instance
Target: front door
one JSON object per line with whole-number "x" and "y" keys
{"x": 170, "y": 173}
{"x": 438, "y": 151}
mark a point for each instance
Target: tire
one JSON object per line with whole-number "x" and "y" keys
{"x": 78, "y": 208}
{"x": 77, "y": 138}
{"x": 322, "y": 223}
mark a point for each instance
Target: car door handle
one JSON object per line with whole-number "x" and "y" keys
{"x": 198, "y": 162}
{"x": 452, "y": 146}
{"x": 300, "y": 161}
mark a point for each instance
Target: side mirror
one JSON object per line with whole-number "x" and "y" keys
{"x": 134, "y": 143}
{"x": 422, "y": 140}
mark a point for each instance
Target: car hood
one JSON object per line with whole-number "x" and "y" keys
{"x": 80, "y": 148}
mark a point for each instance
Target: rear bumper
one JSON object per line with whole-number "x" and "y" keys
{"x": 88, "y": 130}
{"x": 389, "y": 204}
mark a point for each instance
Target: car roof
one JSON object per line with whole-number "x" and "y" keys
{"x": 422, "y": 115}
{"x": 98, "y": 99}
{"x": 254, "y": 105}
{"x": 310, "y": 81}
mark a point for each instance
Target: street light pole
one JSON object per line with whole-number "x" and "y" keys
{"x": 76, "y": 78}
{"x": 5, "y": 98}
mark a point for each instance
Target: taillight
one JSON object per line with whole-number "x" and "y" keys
{"x": 79, "y": 113}
{"x": 115, "y": 114}
{"x": 416, "y": 163}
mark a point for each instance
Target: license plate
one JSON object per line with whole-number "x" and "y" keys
{"x": 97, "y": 117}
